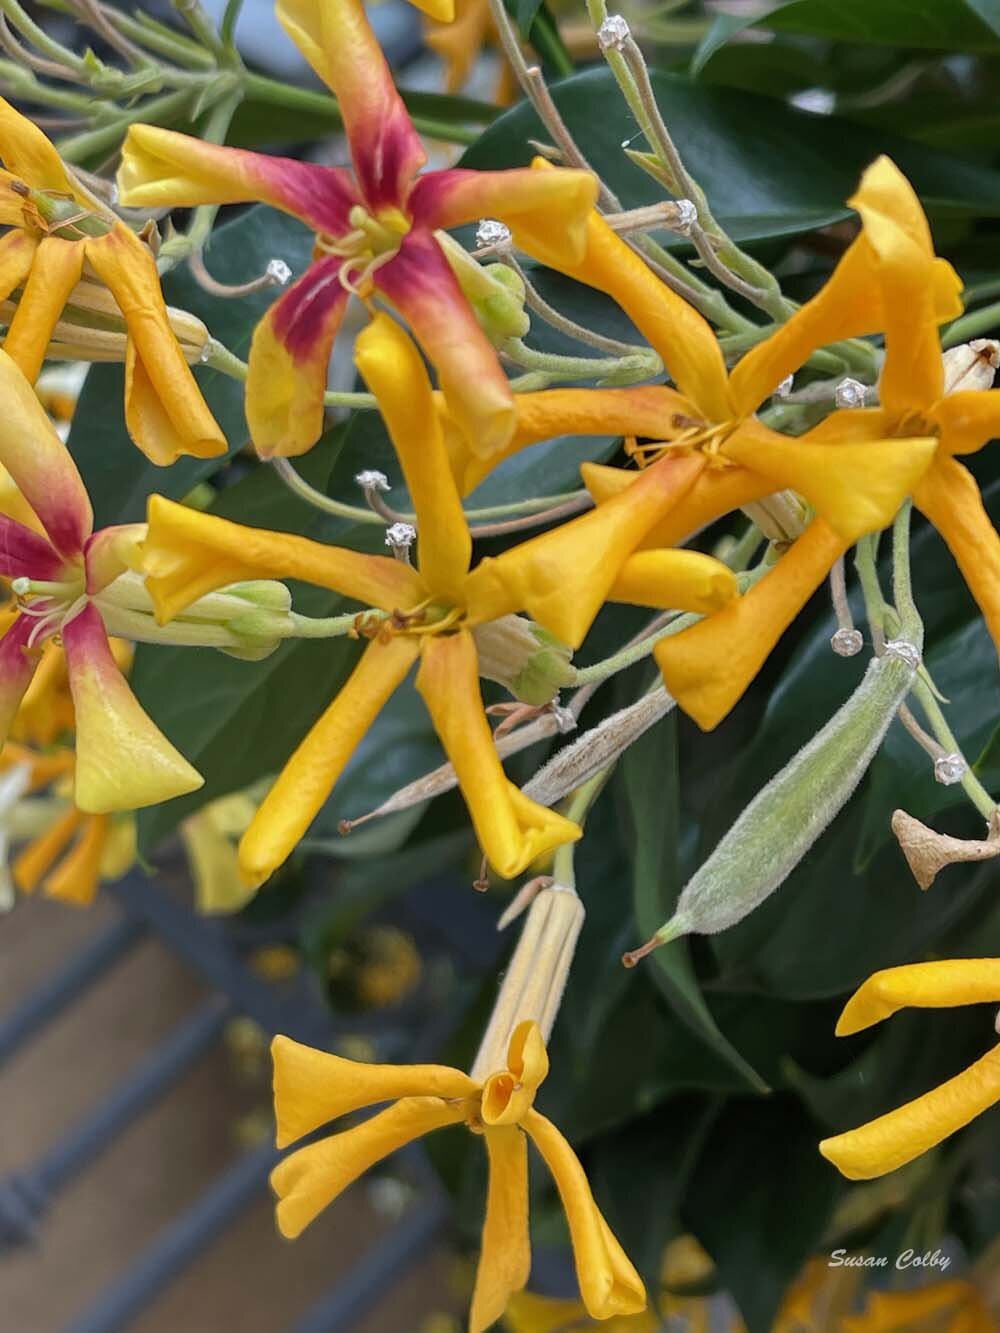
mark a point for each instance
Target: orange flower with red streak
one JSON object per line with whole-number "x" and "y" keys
{"x": 375, "y": 234}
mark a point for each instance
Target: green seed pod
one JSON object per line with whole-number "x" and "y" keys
{"x": 786, "y": 817}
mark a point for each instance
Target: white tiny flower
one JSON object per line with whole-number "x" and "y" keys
{"x": 949, "y": 769}
{"x": 687, "y": 216}
{"x": 278, "y": 271}
{"x": 372, "y": 480}
{"x": 785, "y": 387}
{"x": 613, "y": 33}
{"x": 492, "y": 232}
{"x": 850, "y": 393}
{"x": 847, "y": 642}
{"x": 400, "y": 536}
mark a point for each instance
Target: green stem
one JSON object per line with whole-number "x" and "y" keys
{"x": 300, "y": 487}
{"x": 306, "y": 100}
{"x": 329, "y": 627}
{"x": 972, "y": 325}
{"x": 219, "y": 357}
{"x": 911, "y": 626}
{"x": 864, "y": 563}
{"x": 614, "y": 369}
{"x": 157, "y": 111}
{"x": 576, "y": 808}
{"x": 161, "y": 39}
{"x": 41, "y": 40}
{"x": 974, "y": 789}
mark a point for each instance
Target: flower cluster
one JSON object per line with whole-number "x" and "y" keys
{"x": 698, "y": 448}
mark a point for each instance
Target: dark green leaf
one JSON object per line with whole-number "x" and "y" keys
{"x": 947, "y": 25}
{"x": 650, "y": 787}
{"x": 767, "y": 169}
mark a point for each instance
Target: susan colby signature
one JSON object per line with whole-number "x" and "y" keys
{"x": 906, "y": 1259}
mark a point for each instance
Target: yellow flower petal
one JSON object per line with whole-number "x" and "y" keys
{"x": 967, "y": 420}
{"x": 33, "y": 862}
{"x": 911, "y": 1130}
{"x": 309, "y": 1180}
{"x": 28, "y": 155}
{"x": 505, "y": 1253}
{"x": 944, "y": 1307}
{"x": 896, "y": 230}
{"x": 442, "y": 11}
{"x": 512, "y": 830}
{"x": 644, "y": 410}
{"x": 55, "y": 271}
{"x": 394, "y": 371}
{"x": 215, "y": 870}
{"x": 76, "y": 878}
{"x": 562, "y": 578}
{"x": 165, "y": 413}
{"x": 188, "y": 554}
{"x": 857, "y": 488}
{"x": 851, "y": 425}
{"x": 311, "y": 773}
{"x": 714, "y": 493}
{"x": 507, "y": 1095}
{"x": 937, "y": 985}
{"x": 709, "y": 666}
{"x": 949, "y": 497}
{"x": 675, "y": 581}
{"x": 313, "y": 1087}
{"x": 40, "y": 463}
{"x": 17, "y": 252}
{"x": 685, "y": 341}
{"x": 123, "y": 760}
{"x": 608, "y": 1282}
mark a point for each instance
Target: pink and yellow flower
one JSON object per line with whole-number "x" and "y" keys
{"x": 58, "y": 233}
{"x": 123, "y": 760}
{"x": 312, "y": 1088}
{"x": 375, "y": 234}
{"x": 429, "y": 615}
{"x": 911, "y": 1130}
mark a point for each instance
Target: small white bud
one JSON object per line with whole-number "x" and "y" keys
{"x": 492, "y": 232}
{"x": 903, "y": 651}
{"x": 820, "y": 101}
{"x": 850, "y": 393}
{"x": 372, "y": 480}
{"x": 847, "y": 642}
{"x": 949, "y": 769}
{"x": 400, "y": 536}
{"x": 613, "y": 33}
{"x": 20, "y": 587}
{"x": 971, "y": 365}
{"x": 278, "y": 271}
{"x": 687, "y": 216}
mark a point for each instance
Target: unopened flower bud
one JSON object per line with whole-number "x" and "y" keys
{"x": 523, "y": 657}
{"x": 260, "y": 633}
{"x": 495, "y": 292}
{"x": 268, "y": 594}
{"x": 91, "y": 327}
{"x": 971, "y": 365}
{"x": 535, "y": 979}
{"x": 785, "y": 818}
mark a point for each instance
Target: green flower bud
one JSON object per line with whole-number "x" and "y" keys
{"x": 495, "y": 292}
{"x": 786, "y": 817}
{"x": 526, "y": 659}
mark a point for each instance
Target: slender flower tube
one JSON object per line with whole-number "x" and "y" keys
{"x": 58, "y": 235}
{"x": 375, "y": 234}
{"x": 123, "y": 760}
{"x": 897, "y": 1138}
{"x": 428, "y": 613}
{"x": 495, "y": 1101}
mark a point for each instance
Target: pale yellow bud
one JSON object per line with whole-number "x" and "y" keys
{"x": 971, "y": 365}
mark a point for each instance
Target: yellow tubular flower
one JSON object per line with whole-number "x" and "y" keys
{"x": 899, "y": 285}
{"x": 311, "y": 1088}
{"x": 59, "y": 233}
{"x": 942, "y": 1307}
{"x": 855, "y": 479}
{"x": 898, "y": 1137}
{"x": 561, "y": 579}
